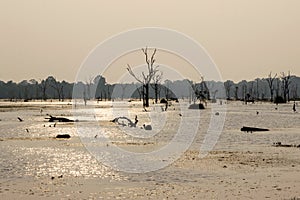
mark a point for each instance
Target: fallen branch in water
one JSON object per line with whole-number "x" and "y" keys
{"x": 279, "y": 144}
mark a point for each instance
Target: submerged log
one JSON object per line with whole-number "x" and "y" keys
{"x": 66, "y": 136}
{"x": 58, "y": 119}
{"x": 252, "y": 129}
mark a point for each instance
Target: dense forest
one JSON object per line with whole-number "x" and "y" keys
{"x": 272, "y": 88}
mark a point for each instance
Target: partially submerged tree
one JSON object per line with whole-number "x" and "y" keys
{"x": 270, "y": 81}
{"x": 146, "y": 77}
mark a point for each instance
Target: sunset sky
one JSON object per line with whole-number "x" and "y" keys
{"x": 245, "y": 38}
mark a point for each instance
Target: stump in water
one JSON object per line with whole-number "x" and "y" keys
{"x": 197, "y": 106}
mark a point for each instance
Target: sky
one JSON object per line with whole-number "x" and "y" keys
{"x": 245, "y": 38}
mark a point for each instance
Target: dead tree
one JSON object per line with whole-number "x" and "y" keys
{"x": 156, "y": 85}
{"x": 270, "y": 81}
{"x": 146, "y": 77}
{"x": 285, "y": 85}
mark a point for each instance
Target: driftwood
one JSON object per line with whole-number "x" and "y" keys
{"x": 252, "y": 129}
{"x": 279, "y": 144}
{"x": 58, "y": 119}
{"x": 130, "y": 123}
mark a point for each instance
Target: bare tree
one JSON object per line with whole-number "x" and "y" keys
{"x": 146, "y": 77}
{"x": 285, "y": 85}
{"x": 270, "y": 81}
{"x": 156, "y": 85}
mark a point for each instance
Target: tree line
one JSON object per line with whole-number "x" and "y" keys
{"x": 149, "y": 85}
{"x": 284, "y": 87}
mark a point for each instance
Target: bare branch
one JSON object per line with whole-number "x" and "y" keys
{"x": 132, "y": 74}
{"x": 146, "y": 57}
{"x": 152, "y": 57}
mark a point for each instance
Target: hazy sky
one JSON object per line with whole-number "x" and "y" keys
{"x": 245, "y": 38}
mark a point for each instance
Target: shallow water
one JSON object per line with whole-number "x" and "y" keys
{"x": 28, "y": 148}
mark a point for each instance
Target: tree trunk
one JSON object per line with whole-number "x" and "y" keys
{"x": 272, "y": 94}
{"x": 147, "y": 95}
{"x": 156, "y": 92}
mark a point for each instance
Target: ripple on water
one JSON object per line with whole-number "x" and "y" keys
{"x": 52, "y": 160}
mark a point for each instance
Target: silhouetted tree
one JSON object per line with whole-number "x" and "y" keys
{"x": 285, "y": 85}
{"x": 236, "y": 92}
{"x": 56, "y": 86}
{"x": 146, "y": 78}
{"x": 100, "y": 83}
{"x": 43, "y": 86}
{"x": 227, "y": 86}
{"x": 257, "y": 88}
{"x": 270, "y": 81}
{"x": 294, "y": 91}
{"x": 204, "y": 89}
